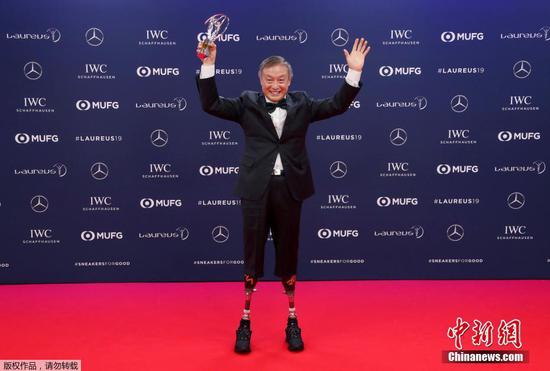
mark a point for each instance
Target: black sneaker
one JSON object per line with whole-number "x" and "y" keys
{"x": 242, "y": 344}
{"x": 294, "y": 335}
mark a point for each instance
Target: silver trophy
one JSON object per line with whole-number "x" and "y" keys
{"x": 216, "y": 26}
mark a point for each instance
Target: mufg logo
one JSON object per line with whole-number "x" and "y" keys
{"x": 450, "y": 36}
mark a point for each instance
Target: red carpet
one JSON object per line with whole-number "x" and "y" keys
{"x": 357, "y": 325}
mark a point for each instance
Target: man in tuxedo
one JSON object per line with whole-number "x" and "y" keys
{"x": 274, "y": 173}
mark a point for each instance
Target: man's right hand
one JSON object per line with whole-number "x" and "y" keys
{"x": 211, "y": 59}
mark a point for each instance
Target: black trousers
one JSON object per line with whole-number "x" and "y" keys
{"x": 279, "y": 211}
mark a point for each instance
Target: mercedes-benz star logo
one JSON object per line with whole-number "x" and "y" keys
{"x": 39, "y": 204}
{"x": 522, "y": 69}
{"x": 459, "y": 103}
{"x": 516, "y": 200}
{"x": 338, "y": 169}
{"x": 455, "y": 232}
{"x": 339, "y": 37}
{"x": 94, "y": 36}
{"x": 99, "y": 171}
{"x": 159, "y": 138}
{"x": 32, "y": 70}
{"x": 398, "y": 137}
{"x": 220, "y": 234}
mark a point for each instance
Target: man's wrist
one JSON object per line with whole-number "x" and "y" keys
{"x": 353, "y": 77}
{"x": 207, "y": 71}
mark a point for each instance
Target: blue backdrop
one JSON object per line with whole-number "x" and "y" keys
{"x": 111, "y": 171}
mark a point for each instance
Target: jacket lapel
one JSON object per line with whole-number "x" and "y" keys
{"x": 291, "y": 105}
{"x": 266, "y": 118}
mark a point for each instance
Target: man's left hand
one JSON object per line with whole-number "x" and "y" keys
{"x": 356, "y": 59}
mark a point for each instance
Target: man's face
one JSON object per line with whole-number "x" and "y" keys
{"x": 275, "y": 82}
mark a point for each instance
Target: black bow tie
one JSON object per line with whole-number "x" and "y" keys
{"x": 271, "y": 106}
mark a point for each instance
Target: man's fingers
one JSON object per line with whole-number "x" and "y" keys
{"x": 363, "y": 46}
{"x": 355, "y": 45}
{"x": 366, "y": 51}
{"x": 346, "y": 53}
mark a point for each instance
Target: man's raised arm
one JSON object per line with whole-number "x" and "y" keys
{"x": 325, "y": 108}
{"x": 211, "y": 102}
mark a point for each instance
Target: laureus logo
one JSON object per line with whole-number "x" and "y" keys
{"x": 298, "y": 35}
{"x": 422, "y": 102}
{"x": 55, "y": 34}
{"x": 61, "y": 169}
{"x": 52, "y": 34}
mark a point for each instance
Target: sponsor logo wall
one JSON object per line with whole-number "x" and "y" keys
{"x": 111, "y": 171}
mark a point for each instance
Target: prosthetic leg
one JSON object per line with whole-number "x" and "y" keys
{"x": 242, "y": 343}
{"x": 289, "y": 284}
{"x": 249, "y": 287}
{"x": 293, "y": 331}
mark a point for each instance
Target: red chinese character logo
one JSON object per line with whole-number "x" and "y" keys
{"x": 510, "y": 333}
{"x": 457, "y": 332}
{"x": 483, "y": 333}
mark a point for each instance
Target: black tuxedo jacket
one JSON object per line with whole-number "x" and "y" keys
{"x": 261, "y": 141}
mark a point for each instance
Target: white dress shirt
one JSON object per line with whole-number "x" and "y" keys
{"x": 278, "y": 116}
